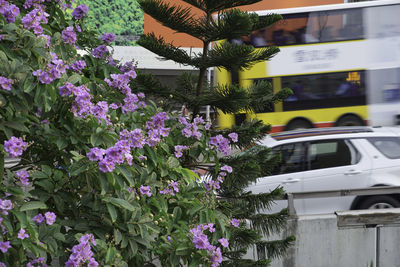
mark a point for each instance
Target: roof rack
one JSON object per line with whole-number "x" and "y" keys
{"x": 319, "y": 131}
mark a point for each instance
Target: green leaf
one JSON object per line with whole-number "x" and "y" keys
{"x": 39, "y": 175}
{"x": 177, "y": 213}
{"x": 33, "y": 205}
{"x": 46, "y": 169}
{"x": 121, "y": 203}
{"x": 173, "y": 162}
{"x": 182, "y": 249}
{"x": 112, "y": 211}
{"x": 61, "y": 143}
{"x": 133, "y": 246}
{"x": 110, "y": 254}
{"x": 16, "y": 125}
{"x": 117, "y": 236}
{"x": 127, "y": 174}
{"x": 74, "y": 78}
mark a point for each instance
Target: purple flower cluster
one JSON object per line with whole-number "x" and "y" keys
{"x": 33, "y": 3}
{"x": 156, "y": 128}
{"x": 82, "y": 105}
{"x": 128, "y": 66}
{"x": 212, "y": 185}
{"x": 78, "y": 66}
{"x": 132, "y": 102}
{"x": 68, "y": 35}
{"x": 178, "y": 150}
{"x": 117, "y": 154}
{"x": 135, "y": 138}
{"x": 4, "y": 246}
{"x": 15, "y": 146}
{"x": 33, "y": 19}
{"x": 121, "y": 81}
{"x": 22, "y": 234}
{"x": 49, "y": 216}
{"x": 100, "y": 51}
{"x": 171, "y": 189}
{"x": 54, "y": 70}
{"x": 5, "y": 206}
{"x": 200, "y": 241}
{"x": 221, "y": 143}
{"x": 37, "y": 262}
{"x": 9, "y": 11}
{"x": 80, "y": 11}
{"x": 145, "y": 190}
{"x": 191, "y": 129}
{"x": 82, "y": 253}
{"x": 23, "y": 176}
{"x": 5, "y": 83}
{"x": 108, "y": 38}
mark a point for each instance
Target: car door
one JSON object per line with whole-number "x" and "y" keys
{"x": 287, "y": 174}
{"x": 334, "y": 164}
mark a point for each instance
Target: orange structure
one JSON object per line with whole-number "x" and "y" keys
{"x": 183, "y": 40}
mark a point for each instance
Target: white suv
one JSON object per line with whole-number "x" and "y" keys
{"x": 334, "y": 159}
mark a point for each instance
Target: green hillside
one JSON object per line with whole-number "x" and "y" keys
{"x": 122, "y": 17}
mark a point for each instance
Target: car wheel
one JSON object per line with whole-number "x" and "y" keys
{"x": 350, "y": 120}
{"x": 298, "y": 124}
{"x": 380, "y": 202}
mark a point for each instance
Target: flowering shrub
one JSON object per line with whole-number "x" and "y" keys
{"x": 99, "y": 179}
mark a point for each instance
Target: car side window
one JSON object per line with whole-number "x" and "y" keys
{"x": 388, "y": 146}
{"x": 331, "y": 153}
{"x": 292, "y": 156}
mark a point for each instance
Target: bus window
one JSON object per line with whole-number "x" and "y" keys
{"x": 312, "y": 27}
{"x": 325, "y": 90}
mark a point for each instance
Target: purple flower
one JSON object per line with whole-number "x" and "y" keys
{"x": 145, "y": 190}
{"x": 100, "y": 51}
{"x": 4, "y": 246}
{"x": 224, "y": 242}
{"x": 179, "y": 149}
{"x": 15, "y": 146}
{"x": 221, "y": 143}
{"x": 68, "y": 35}
{"x": 216, "y": 257}
{"x": 95, "y": 154}
{"x": 5, "y": 205}
{"x": 80, "y": 11}
{"x": 227, "y": 168}
{"x": 2, "y": 264}
{"x": 38, "y": 219}
{"x": 9, "y": 11}
{"x": 22, "y": 234}
{"x": 82, "y": 253}
{"x": 235, "y": 222}
{"x": 33, "y": 19}
{"x": 234, "y": 137}
{"x": 106, "y": 165}
{"x": 5, "y": 83}
{"x": 108, "y": 38}
{"x": 78, "y": 66}
{"x": 23, "y": 176}
{"x": 36, "y": 262}
{"x": 50, "y": 217}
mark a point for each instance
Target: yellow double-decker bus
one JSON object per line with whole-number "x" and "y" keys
{"x": 341, "y": 61}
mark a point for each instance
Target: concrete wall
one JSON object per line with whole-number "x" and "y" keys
{"x": 319, "y": 243}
